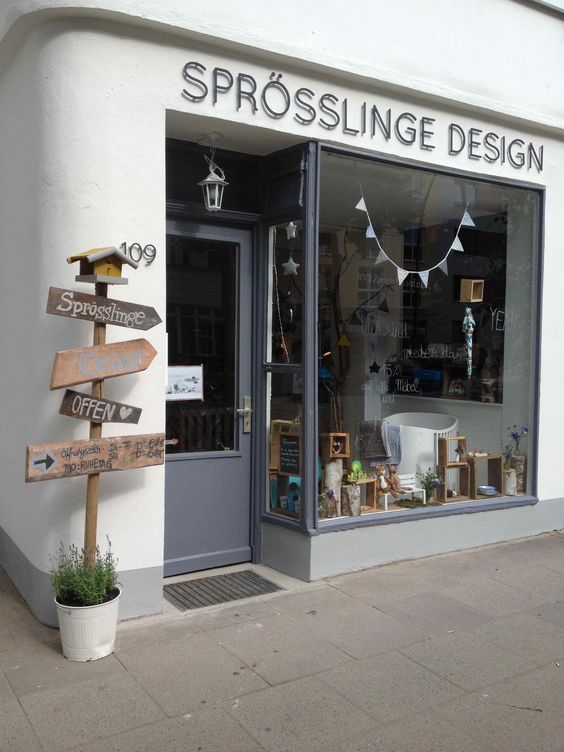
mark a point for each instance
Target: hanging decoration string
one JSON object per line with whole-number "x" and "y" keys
{"x": 277, "y": 294}
{"x": 402, "y": 273}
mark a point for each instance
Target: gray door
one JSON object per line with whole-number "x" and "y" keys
{"x": 209, "y": 327}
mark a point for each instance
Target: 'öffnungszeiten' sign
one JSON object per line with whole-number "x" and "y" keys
{"x": 67, "y": 459}
{"x": 277, "y": 98}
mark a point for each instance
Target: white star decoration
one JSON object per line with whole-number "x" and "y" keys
{"x": 290, "y": 267}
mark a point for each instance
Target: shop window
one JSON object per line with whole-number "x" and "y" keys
{"x": 285, "y": 375}
{"x": 426, "y": 302}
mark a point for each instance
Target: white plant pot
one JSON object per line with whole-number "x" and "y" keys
{"x": 88, "y": 632}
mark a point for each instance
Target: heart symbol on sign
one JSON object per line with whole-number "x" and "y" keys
{"x": 125, "y": 412}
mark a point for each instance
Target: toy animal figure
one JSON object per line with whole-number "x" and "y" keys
{"x": 394, "y": 483}
{"x": 382, "y": 486}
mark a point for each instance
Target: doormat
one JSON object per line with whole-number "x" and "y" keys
{"x": 219, "y": 588}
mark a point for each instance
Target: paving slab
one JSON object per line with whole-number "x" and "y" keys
{"x": 43, "y": 666}
{"x": 553, "y": 613}
{"x": 16, "y": 732}
{"x": 279, "y": 649}
{"x": 349, "y": 624}
{"x": 537, "y": 580}
{"x": 301, "y": 715}
{"x": 467, "y": 660}
{"x": 434, "y": 612}
{"x": 508, "y": 722}
{"x": 495, "y": 598}
{"x": 390, "y": 686}
{"x": 426, "y": 732}
{"x": 210, "y": 730}
{"x": 526, "y": 635}
{"x": 68, "y": 716}
{"x": 188, "y": 673}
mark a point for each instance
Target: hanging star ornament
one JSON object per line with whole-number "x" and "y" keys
{"x": 374, "y": 368}
{"x": 290, "y": 268}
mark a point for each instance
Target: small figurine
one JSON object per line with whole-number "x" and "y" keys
{"x": 468, "y": 326}
{"x": 394, "y": 483}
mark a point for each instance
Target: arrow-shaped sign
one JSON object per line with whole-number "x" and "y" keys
{"x": 85, "y": 364}
{"x": 80, "y": 305}
{"x": 47, "y": 461}
{"x": 72, "y": 458}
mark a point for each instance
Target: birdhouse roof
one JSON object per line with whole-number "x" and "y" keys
{"x": 97, "y": 254}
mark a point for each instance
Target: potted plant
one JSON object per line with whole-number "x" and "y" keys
{"x": 87, "y": 599}
{"x": 429, "y": 480}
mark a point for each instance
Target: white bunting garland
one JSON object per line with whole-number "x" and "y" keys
{"x": 456, "y": 245}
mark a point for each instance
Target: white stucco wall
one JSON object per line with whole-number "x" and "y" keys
{"x": 83, "y": 107}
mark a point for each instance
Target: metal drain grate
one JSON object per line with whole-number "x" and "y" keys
{"x": 220, "y": 588}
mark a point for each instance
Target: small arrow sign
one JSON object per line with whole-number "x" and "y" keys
{"x": 47, "y": 461}
{"x": 81, "y": 305}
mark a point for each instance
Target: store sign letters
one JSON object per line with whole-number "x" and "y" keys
{"x": 365, "y": 119}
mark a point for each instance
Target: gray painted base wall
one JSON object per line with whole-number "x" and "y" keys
{"x": 312, "y": 558}
{"x": 142, "y": 588}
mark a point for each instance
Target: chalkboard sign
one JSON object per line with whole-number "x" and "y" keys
{"x": 290, "y": 454}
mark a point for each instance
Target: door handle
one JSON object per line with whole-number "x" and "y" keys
{"x": 246, "y": 411}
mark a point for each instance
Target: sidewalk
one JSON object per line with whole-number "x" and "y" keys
{"x": 462, "y": 652}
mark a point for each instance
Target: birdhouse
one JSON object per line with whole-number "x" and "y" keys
{"x": 102, "y": 265}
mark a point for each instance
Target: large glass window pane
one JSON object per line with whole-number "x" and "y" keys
{"x": 201, "y": 327}
{"x": 285, "y": 293}
{"x": 284, "y": 448}
{"x": 426, "y": 302}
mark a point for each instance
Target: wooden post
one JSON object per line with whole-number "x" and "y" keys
{"x": 93, "y": 482}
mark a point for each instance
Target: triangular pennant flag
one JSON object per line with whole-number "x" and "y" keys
{"x": 381, "y": 258}
{"x": 424, "y": 277}
{"x": 402, "y": 274}
{"x": 467, "y": 220}
{"x": 361, "y": 206}
{"x": 457, "y": 245}
{"x": 384, "y": 306}
{"x": 344, "y": 341}
{"x": 443, "y": 266}
{"x": 370, "y": 232}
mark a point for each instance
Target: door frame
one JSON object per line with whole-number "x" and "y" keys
{"x": 195, "y": 213}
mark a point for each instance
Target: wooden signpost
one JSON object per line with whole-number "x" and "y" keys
{"x": 84, "y": 364}
{"x": 86, "y": 407}
{"x": 68, "y": 459}
{"x": 80, "y": 305}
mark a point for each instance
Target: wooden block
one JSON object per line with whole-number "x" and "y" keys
{"x": 471, "y": 290}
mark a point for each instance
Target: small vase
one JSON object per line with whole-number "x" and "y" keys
{"x": 519, "y": 464}
{"x": 510, "y": 482}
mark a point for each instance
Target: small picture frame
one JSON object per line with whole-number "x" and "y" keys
{"x": 185, "y": 383}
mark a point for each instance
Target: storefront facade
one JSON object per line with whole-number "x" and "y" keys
{"x": 372, "y": 319}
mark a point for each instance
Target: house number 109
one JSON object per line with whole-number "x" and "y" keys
{"x": 136, "y": 252}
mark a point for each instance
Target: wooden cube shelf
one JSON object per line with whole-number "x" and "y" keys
{"x": 447, "y": 447}
{"x": 334, "y": 446}
{"x": 495, "y": 474}
{"x": 471, "y": 290}
{"x": 463, "y": 481}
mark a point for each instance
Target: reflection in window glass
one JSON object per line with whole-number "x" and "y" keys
{"x": 201, "y": 328}
{"x": 284, "y": 448}
{"x": 424, "y": 324}
{"x": 286, "y": 285}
